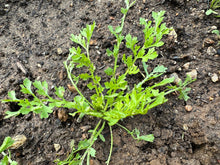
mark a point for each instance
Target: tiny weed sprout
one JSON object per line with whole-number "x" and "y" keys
{"x": 6, "y": 158}
{"x": 214, "y": 5}
{"x": 218, "y": 35}
{"x": 113, "y": 100}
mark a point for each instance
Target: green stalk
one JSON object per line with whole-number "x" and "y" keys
{"x": 119, "y": 43}
{"x": 111, "y": 147}
{"x": 75, "y": 86}
{"x": 92, "y": 73}
{"x": 93, "y": 139}
{"x": 129, "y": 132}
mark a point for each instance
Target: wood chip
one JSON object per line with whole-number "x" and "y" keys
{"x": 19, "y": 141}
{"x": 21, "y": 67}
{"x": 62, "y": 115}
{"x": 71, "y": 88}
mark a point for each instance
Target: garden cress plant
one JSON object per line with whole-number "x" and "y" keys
{"x": 113, "y": 100}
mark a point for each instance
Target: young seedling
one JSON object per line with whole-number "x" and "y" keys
{"x": 215, "y": 4}
{"x": 6, "y": 158}
{"x": 113, "y": 100}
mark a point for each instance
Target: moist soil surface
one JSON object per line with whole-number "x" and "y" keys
{"x": 34, "y": 42}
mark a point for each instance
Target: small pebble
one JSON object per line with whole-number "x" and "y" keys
{"x": 188, "y": 108}
{"x": 185, "y": 127}
{"x": 214, "y": 77}
{"x": 176, "y": 78}
{"x": 56, "y": 147}
{"x": 211, "y": 98}
{"x": 172, "y": 36}
{"x": 39, "y": 65}
{"x": 59, "y": 51}
{"x": 192, "y": 74}
{"x": 186, "y": 65}
{"x": 211, "y": 51}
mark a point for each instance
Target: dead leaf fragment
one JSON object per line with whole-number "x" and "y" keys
{"x": 62, "y": 115}
{"x": 214, "y": 77}
{"x": 71, "y": 88}
{"x": 172, "y": 36}
{"x": 192, "y": 74}
{"x": 93, "y": 42}
{"x": 19, "y": 140}
{"x": 207, "y": 42}
{"x": 56, "y": 147}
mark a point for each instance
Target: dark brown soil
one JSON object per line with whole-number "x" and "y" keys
{"x": 35, "y": 34}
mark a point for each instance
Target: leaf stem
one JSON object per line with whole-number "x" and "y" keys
{"x": 93, "y": 138}
{"x": 111, "y": 147}
{"x": 129, "y": 132}
{"x": 75, "y": 86}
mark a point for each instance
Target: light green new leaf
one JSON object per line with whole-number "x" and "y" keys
{"x": 109, "y": 71}
{"x": 8, "y": 141}
{"x": 42, "y": 87}
{"x": 11, "y": 94}
{"x": 151, "y": 54}
{"x": 109, "y": 52}
{"x": 87, "y": 32}
{"x": 60, "y": 91}
{"x": 90, "y": 86}
{"x": 83, "y": 144}
{"x": 26, "y": 88}
{"x": 118, "y": 29}
{"x": 124, "y": 11}
{"x": 92, "y": 151}
{"x": 148, "y": 138}
{"x": 11, "y": 114}
{"x": 85, "y": 76}
{"x": 43, "y": 110}
{"x": 102, "y": 137}
{"x": 4, "y": 161}
{"x": 164, "y": 82}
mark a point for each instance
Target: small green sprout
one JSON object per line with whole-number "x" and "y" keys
{"x": 6, "y": 158}
{"x": 218, "y": 35}
{"x": 214, "y": 5}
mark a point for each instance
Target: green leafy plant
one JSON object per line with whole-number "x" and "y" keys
{"x": 6, "y": 158}
{"x": 214, "y": 5}
{"x": 113, "y": 100}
